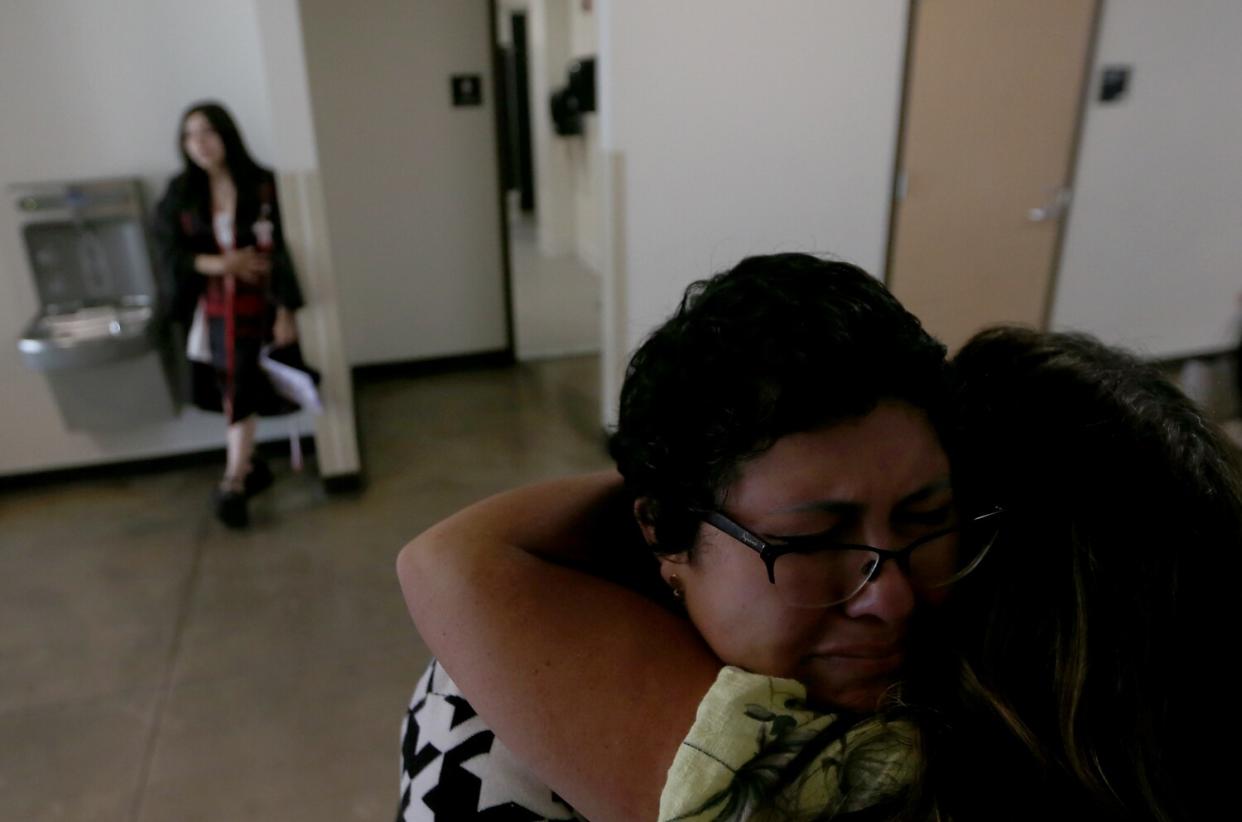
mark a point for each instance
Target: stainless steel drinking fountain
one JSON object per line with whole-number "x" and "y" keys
{"x": 100, "y": 337}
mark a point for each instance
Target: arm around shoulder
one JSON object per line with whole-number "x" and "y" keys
{"x": 593, "y": 685}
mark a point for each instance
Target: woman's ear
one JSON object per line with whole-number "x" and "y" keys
{"x": 643, "y": 515}
{"x": 644, "y": 508}
{"x": 671, "y": 572}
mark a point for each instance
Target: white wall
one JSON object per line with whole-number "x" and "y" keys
{"x": 548, "y": 33}
{"x": 585, "y": 158}
{"x": 284, "y": 61}
{"x": 583, "y": 33}
{"x": 307, "y": 234}
{"x": 410, "y": 183}
{"x": 95, "y": 90}
{"x": 568, "y": 194}
{"x": 732, "y": 128}
{"x": 1153, "y": 250}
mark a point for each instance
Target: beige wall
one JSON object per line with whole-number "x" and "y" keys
{"x": 410, "y": 183}
{"x": 95, "y": 90}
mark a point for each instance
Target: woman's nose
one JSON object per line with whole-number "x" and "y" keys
{"x": 887, "y": 596}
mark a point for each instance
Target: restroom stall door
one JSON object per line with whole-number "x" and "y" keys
{"x": 992, "y": 104}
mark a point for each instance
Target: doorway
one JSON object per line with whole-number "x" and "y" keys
{"x": 519, "y": 176}
{"x": 546, "y": 180}
{"x": 993, "y": 102}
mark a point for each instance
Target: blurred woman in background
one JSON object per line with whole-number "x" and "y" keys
{"x": 221, "y": 247}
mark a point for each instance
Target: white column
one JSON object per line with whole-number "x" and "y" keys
{"x": 306, "y": 233}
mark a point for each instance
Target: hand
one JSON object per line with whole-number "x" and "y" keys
{"x": 247, "y": 265}
{"x": 285, "y": 332}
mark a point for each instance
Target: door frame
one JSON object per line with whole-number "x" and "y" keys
{"x": 500, "y": 124}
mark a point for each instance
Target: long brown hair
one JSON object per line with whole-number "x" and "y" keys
{"x": 1070, "y": 672}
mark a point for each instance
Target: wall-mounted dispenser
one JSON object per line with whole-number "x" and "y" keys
{"x": 99, "y": 337}
{"x": 575, "y": 99}
{"x": 582, "y": 83}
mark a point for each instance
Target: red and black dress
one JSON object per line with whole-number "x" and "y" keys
{"x": 240, "y": 316}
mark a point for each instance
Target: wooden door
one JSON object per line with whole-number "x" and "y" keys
{"x": 993, "y": 98}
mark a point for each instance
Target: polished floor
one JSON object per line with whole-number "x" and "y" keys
{"x": 155, "y": 666}
{"x": 556, "y": 300}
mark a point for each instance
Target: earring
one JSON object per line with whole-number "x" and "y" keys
{"x": 674, "y": 582}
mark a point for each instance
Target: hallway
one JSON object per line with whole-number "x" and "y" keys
{"x": 556, "y": 300}
{"x": 158, "y": 666}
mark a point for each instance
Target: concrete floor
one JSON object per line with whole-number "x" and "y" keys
{"x": 156, "y": 666}
{"x": 556, "y": 300}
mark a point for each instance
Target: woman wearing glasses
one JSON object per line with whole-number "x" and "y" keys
{"x": 792, "y": 395}
{"x": 1052, "y": 680}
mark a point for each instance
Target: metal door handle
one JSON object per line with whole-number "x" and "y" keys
{"x": 1054, "y": 208}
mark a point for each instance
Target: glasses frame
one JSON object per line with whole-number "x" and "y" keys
{"x": 770, "y": 552}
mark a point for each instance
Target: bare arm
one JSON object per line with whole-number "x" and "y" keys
{"x": 244, "y": 263}
{"x": 590, "y": 684}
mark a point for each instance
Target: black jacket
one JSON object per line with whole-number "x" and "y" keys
{"x": 183, "y": 230}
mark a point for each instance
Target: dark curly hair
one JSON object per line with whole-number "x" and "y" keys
{"x": 1074, "y": 665}
{"x": 776, "y": 345}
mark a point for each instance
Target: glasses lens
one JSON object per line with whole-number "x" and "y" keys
{"x": 817, "y": 579}
{"x": 948, "y": 557}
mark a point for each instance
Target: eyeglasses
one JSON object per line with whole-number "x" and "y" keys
{"x": 816, "y": 572}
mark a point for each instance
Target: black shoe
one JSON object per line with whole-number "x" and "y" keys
{"x": 259, "y": 478}
{"x": 231, "y": 508}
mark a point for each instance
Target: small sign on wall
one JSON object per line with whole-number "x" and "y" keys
{"x": 467, "y": 89}
{"x": 1114, "y": 83}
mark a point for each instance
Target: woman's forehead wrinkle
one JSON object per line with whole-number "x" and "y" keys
{"x": 830, "y": 506}
{"x": 837, "y": 506}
